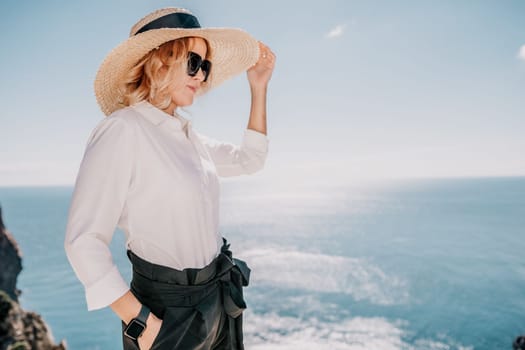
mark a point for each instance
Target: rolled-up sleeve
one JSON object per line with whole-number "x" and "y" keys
{"x": 97, "y": 202}
{"x": 233, "y": 160}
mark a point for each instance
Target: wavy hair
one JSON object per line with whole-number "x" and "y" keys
{"x": 151, "y": 77}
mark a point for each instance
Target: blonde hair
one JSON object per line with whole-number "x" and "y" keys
{"x": 151, "y": 77}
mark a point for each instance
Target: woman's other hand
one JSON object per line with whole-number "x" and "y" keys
{"x": 259, "y": 74}
{"x": 153, "y": 324}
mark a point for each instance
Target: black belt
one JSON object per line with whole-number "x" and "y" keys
{"x": 190, "y": 286}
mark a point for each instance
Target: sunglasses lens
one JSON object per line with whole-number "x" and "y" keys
{"x": 195, "y": 63}
{"x": 206, "y": 67}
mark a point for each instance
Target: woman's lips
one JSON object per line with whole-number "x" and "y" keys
{"x": 194, "y": 89}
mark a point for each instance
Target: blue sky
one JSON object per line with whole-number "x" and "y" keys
{"x": 361, "y": 89}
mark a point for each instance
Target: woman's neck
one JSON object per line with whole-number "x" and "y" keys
{"x": 171, "y": 108}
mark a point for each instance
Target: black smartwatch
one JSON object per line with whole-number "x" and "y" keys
{"x": 137, "y": 325}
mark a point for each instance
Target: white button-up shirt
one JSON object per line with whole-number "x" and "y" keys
{"x": 154, "y": 177}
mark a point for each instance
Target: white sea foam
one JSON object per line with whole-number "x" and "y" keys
{"x": 325, "y": 273}
{"x": 274, "y": 332}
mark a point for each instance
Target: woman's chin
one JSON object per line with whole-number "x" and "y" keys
{"x": 185, "y": 102}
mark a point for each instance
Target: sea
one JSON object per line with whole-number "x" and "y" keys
{"x": 399, "y": 264}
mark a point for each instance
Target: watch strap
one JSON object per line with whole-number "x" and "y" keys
{"x": 137, "y": 325}
{"x": 143, "y": 314}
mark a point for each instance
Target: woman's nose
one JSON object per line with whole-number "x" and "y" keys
{"x": 200, "y": 75}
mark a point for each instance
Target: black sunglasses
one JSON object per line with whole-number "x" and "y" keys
{"x": 195, "y": 62}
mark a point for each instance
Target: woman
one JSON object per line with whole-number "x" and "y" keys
{"x": 148, "y": 172}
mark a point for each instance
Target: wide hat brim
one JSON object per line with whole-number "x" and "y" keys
{"x": 233, "y": 51}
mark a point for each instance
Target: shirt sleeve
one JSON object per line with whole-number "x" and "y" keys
{"x": 97, "y": 202}
{"x": 233, "y": 160}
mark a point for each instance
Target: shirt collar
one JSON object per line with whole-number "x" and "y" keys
{"x": 158, "y": 117}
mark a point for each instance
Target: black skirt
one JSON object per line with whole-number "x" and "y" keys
{"x": 200, "y": 308}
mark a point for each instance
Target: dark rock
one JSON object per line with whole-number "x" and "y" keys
{"x": 519, "y": 343}
{"x": 19, "y": 329}
{"x": 11, "y": 260}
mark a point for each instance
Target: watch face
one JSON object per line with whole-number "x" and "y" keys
{"x": 134, "y": 329}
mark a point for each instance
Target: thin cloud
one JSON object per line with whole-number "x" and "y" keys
{"x": 521, "y": 53}
{"x": 336, "y": 32}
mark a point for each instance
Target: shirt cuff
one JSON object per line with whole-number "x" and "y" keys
{"x": 106, "y": 290}
{"x": 256, "y": 140}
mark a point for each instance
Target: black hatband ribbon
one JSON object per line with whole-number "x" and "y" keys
{"x": 173, "y": 20}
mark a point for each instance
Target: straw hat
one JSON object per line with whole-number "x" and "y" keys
{"x": 233, "y": 51}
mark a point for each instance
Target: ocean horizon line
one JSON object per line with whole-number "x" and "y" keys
{"x": 350, "y": 181}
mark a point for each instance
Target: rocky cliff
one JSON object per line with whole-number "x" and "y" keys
{"x": 19, "y": 329}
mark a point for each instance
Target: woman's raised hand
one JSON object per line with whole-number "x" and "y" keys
{"x": 259, "y": 74}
